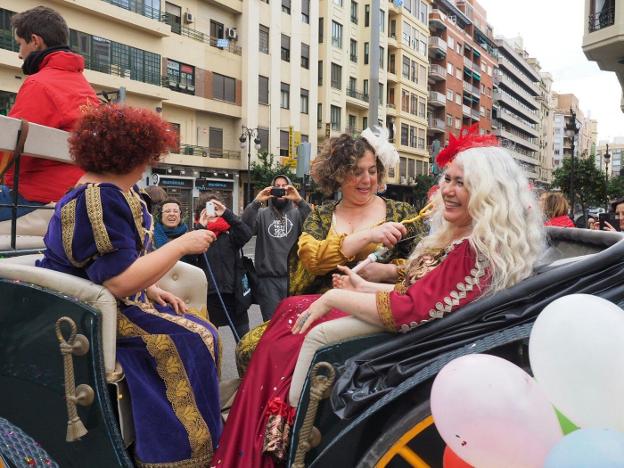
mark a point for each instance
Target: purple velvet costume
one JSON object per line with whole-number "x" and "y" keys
{"x": 170, "y": 361}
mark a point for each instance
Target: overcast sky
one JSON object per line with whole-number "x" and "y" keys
{"x": 553, "y": 33}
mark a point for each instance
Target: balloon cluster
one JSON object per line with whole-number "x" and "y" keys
{"x": 491, "y": 413}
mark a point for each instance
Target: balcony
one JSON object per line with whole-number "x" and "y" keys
{"x": 175, "y": 83}
{"x": 515, "y": 121}
{"x": 357, "y": 95}
{"x": 472, "y": 89}
{"x": 602, "y": 19}
{"x": 436, "y": 20}
{"x": 519, "y": 140}
{"x": 516, "y": 105}
{"x": 466, "y": 110}
{"x": 436, "y": 125}
{"x": 206, "y": 152}
{"x": 437, "y": 99}
{"x": 436, "y": 73}
{"x": 138, "y": 7}
{"x": 219, "y": 43}
{"x": 475, "y": 114}
{"x": 470, "y": 64}
{"x": 437, "y": 46}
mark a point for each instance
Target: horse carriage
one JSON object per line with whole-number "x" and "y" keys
{"x": 365, "y": 401}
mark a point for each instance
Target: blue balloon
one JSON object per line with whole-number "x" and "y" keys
{"x": 602, "y": 448}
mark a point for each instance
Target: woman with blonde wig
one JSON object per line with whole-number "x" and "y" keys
{"x": 487, "y": 236}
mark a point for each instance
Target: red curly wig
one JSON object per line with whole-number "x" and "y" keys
{"x": 115, "y": 139}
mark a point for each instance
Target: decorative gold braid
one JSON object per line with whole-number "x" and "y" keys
{"x": 128, "y": 329}
{"x": 183, "y": 322}
{"x": 382, "y": 298}
{"x": 137, "y": 214}
{"x": 96, "y": 217}
{"x": 68, "y": 223}
{"x": 190, "y": 463}
{"x": 179, "y": 392}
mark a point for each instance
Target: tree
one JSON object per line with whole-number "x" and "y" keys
{"x": 589, "y": 182}
{"x": 616, "y": 187}
{"x": 266, "y": 169}
{"x": 421, "y": 188}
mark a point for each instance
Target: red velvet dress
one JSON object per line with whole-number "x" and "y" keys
{"x": 445, "y": 281}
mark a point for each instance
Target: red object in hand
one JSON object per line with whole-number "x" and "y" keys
{"x": 452, "y": 460}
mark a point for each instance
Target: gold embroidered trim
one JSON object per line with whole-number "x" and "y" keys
{"x": 68, "y": 223}
{"x": 401, "y": 287}
{"x": 453, "y": 298}
{"x": 128, "y": 329}
{"x": 135, "y": 207}
{"x": 382, "y": 298}
{"x": 96, "y": 217}
{"x": 190, "y": 463}
{"x": 202, "y": 331}
{"x": 179, "y": 392}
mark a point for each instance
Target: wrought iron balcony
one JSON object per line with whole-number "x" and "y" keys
{"x": 357, "y": 95}
{"x": 206, "y": 152}
{"x": 602, "y": 19}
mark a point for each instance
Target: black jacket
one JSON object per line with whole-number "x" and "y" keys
{"x": 223, "y": 254}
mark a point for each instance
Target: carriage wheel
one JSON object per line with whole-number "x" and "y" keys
{"x": 412, "y": 441}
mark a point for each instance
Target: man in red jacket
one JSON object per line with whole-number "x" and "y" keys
{"x": 54, "y": 94}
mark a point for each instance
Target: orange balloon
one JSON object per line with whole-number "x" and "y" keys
{"x": 452, "y": 460}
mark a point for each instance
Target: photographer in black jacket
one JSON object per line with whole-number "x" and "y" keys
{"x": 224, "y": 257}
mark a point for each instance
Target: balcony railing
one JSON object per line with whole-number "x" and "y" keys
{"x": 177, "y": 84}
{"x": 437, "y": 71}
{"x": 437, "y": 124}
{"x": 437, "y": 98}
{"x": 357, "y": 95}
{"x": 219, "y": 43}
{"x": 437, "y": 43}
{"x": 138, "y": 7}
{"x": 206, "y": 152}
{"x": 602, "y": 19}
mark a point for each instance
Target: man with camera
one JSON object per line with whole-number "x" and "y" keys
{"x": 277, "y": 228}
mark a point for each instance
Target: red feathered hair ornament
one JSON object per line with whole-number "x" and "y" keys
{"x": 468, "y": 137}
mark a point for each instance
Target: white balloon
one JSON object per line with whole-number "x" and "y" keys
{"x": 492, "y": 414}
{"x": 577, "y": 356}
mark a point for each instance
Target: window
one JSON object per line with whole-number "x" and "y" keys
{"x": 449, "y": 120}
{"x": 365, "y": 89}
{"x": 215, "y": 142}
{"x": 285, "y": 96}
{"x": 305, "y": 56}
{"x": 366, "y": 53}
{"x": 217, "y": 29}
{"x": 352, "y": 83}
{"x": 422, "y": 74}
{"x": 406, "y": 68}
{"x": 223, "y": 88}
{"x": 305, "y": 11}
{"x": 263, "y": 134}
{"x": 286, "y": 6}
{"x": 421, "y": 109}
{"x": 449, "y": 95}
{"x": 457, "y": 123}
{"x": 421, "y": 139}
{"x": 353, "y": 50}
{"x": 304, "y": 101}
{"x": 424, "y": 13}
{"x": 264, "y": 39}
{"x": 337, "y": 34}
{"x": 381, "y": 57}
{"x": 173, "y": 17}
{"x": 405, "y": 101}
{"x": 403, "y": 167}
{"x": 382, "y": 20}
{"x": 413, "y": 104}
{"x": 263, "y": 90}
{"x": 410, "y": 162}
{"x": 381, "y": 93}
{"x": 175, "y": 128}
{"x": 451, "y": 42}
{"x": 338, "y": 3}
{"x": 320, "y": 73}
{"x": 391, "y": 61}
{"x": 450, "y": 69}
{"x": 404, "y": 140}
{"x": 284, "y": 140}
{"x": 352, "y": 122}
{"x": 285, "y": 49}
{"x": 366, "y": 15}
{"x": 354, "y": 12}
{"x": 181, "y": 77}
{"x": 336, "y": 76}
{"x": 365, "y": 122}
{"x": 319, "y": 115}
{"x": 335, "y": 117}
{"x": 320, "y": 32}
{"x": 458, "y": 98}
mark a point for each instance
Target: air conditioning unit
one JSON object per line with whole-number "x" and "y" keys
{"x": 188, "y": 17}
{"x": 403, "y": 180}
{"x": 231, "y": 33}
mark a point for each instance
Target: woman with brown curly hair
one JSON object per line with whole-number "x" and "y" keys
{"x": 102, "y": 231}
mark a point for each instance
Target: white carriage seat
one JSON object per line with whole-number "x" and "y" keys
{"x": 324, "y": 334}
{"x": 32, "y": 225}
{"x": 185, "y": 281}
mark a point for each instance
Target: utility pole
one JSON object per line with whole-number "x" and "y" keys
{"x": 373, "y": 86}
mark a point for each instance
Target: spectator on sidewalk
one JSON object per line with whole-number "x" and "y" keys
{"x": 556, "y": 207}
{"x": 277, "y": 227}
{"x": 54, "y": 94}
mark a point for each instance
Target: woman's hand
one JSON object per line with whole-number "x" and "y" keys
{"x": 379, "y": 273}
{"x": 313, "y": 313}
{"x": 388, "y": 233}
{"x": 195, "y": 242}
{"x": 608, "y": 227}
{"x": 219, "y": 207}
{"x": 292, "y": 194}
{"x": 349, "y": 280}
{"x": 162, "y": 297}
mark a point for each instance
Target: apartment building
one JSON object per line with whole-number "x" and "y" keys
{"x": 616, "y": 156}
{"x": 546, "y": 102}
{"x": 280, "y": 74}
{"x": 462, "y": 60}
{"x": 516, "y": 107}
{"x": 585, "y": 138}
{"x": 603, "y": 38}
{"x": 344, "y": 38}
{"x": 169, "y": 58}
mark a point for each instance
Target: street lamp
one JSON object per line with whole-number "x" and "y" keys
{"x": 571, "y": 132}
{"x": 247, "y": 135}
{"x": 607, "y": 157}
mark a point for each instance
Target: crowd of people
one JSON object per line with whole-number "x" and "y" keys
{"x": 484, "y": 233}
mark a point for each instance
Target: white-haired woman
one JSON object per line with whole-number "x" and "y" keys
{"x": 487, "y": 236}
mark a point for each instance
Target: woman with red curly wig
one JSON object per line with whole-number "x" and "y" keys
{"x": 102, "y": 231}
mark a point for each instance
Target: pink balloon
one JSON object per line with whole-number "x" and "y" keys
{"x": 492, "y": 414}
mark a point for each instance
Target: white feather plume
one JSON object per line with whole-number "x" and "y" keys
{"x": 385, "y": 152}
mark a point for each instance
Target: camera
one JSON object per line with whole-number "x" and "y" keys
{"x": 609, "y": 218}
{"x": 210, "y": 209}
{"x": 278, "y": 191}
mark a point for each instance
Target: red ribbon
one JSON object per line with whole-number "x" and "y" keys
{"x": 468, "y": 137}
